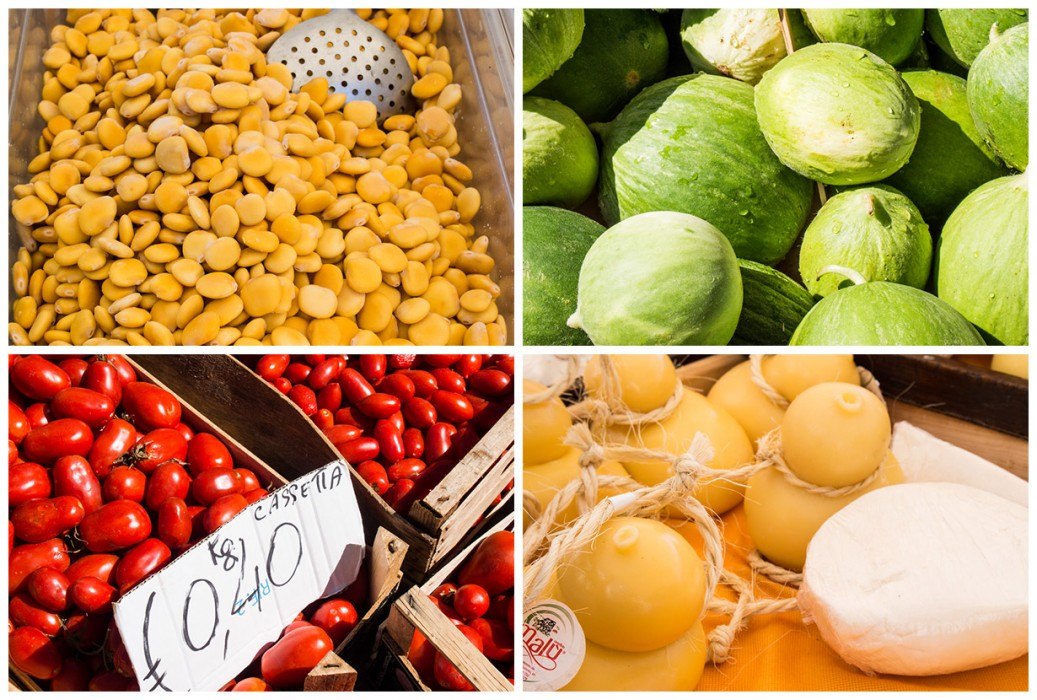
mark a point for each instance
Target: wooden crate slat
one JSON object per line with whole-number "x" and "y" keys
{"x": 331, "y": 674}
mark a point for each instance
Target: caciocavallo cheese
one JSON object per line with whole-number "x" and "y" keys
{"x": 921, "y": 579}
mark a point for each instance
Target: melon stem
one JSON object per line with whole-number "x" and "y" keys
{"x": 847, "y": 272}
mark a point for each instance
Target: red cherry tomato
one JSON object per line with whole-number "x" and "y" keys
{"x": 140, "y": 562}
{"x": 444, "y": 593}
{"x": 497, "y": 639}
{"x": 34, "y": 653}
{"x": 398, "y": 385}
{"x": 452, "y": 407}
{"x": 26, "y": 558}
{"x": 150, "y": 406}
{"x": 492, "y": 564}
{"x": 506, "y": 364}
{"x": 324, "y": 373}
{"x": 390, "y": 441}
{"x": 124, "y": 483}
{"x": 343, "y": 433}
{"x": 445, "y": 673}
{"x": 206, "y": 451}
{"x": 323, "y": 419}
{"x": 297, "y": 372}
{"x": 330, "y": 397}
{"x": 66, "y": 436}
{"x": 92, "y": 407}
{"x": 17, "y": 423}
{"x": 358, "y": 450}
{"x": 438, "y": 440}
{"x": 419, "y": 413}
{"x": 255, "y": 494}
{"x": 26, "y": 612}
{"x": 489, "y": 382}
{"x": 373, "y": 367}
{"x": 91, "y": 595}
{"x": 251, "y": 685}
{"x": 397, "y": 494}
{"x": 471, "y": 602}
{"x": 337, "y": 617}
{"x": 281, "y": 384}
{"x": 271, "y": 366}
{"x": 103, "y": 378}
{"x": 402, "y": 361}
{"x": 424, "y": 382}
{"x": 75, "y": 368}
{"x": 49, "y": 588}
{"x": 156, "y": 448}
{"x": 374, "y": 474}
{"x": 112, "y": 443}
{"x": 286, "y": 663}
{"x": 99, "y": 566}
{"x": 303, "y": 397}
{"x": 212, "y": 484}
{"x": 27, "y": 481}
{"x": 38, "y": 414}
{"x": 440, "y": 360}
{"x": 405, "y": 469}
{"x": 174, "y": 523}
{"x": 123, "y": 369}
{"x": 449, "y": 380}
{"x": 73, "y": 476}
{"x": 467, "y": 365}
{"x": 73, "y": 676}
{"x": 413, "y": 443}
{"x": 114, "y": 526}
{"x": 422, "y": 655}
{"x": 354, "y": 386}
{"x": 168, "y": 481}
{"x": 379, "y": 405}
{"x": 39, "y": 378}
{"x": 185, "y": 430}
{"x": 397, "y": 420}
{"x": 46, "y": 518}
{"x": 249, "y": 480}
{"x": 223, "y": 511}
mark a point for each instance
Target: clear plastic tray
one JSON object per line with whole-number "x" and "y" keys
{"x": 481, "y": 47}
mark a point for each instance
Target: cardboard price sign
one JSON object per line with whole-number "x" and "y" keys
{"x": 203, "y": 618}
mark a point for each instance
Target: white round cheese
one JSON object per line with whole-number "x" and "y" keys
{"x": 921, "y": 579}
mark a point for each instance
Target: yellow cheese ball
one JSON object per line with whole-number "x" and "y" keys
{"x": 736, "y": 393}
{"x": 638, "y": 586}
{"x": 791, "y": 375}
{"x": 835, "y": 434}
{"x": 646, "y": 382}
{"x": 674, "y": 434}
{"x": 782, "y": 518}
{"x": 544, "y": 426}
{"x": 677, "y": 666}
{"x": 545, "y": 480}
{"x": 1011, "y": 364}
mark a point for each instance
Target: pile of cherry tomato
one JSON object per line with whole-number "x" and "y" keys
{"x": 402, "y": 421}
{"x": 106, "y": 485}
{"x": 480, "y": 602}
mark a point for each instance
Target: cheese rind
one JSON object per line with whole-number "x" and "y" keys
{"x": 921, "y": 579}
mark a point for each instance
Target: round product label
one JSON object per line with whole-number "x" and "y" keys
{"x": 553, "y": 646}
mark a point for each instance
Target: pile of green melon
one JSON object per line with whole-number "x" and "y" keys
{"x": 772, "y": 177}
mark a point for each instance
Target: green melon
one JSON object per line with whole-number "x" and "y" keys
{"x": 773, "y": 305}
{"x": 884, "y": 313}
{"x": 549, "y": 38}
{"x": 559, "y": 154}
{"x": 661, "y": 278}
{"x": 981, "y": 261}
{"x": 874, "y": 231}
{"x": 741, "y": 44}
{"x": 692, "y": 144}
{"x": 622, "y": 52}
{"x": 889, "y": 34}
{"x": 838, "y": 114}
{"x": 950, "y": 159}
{"x": 962, "y": 33}
{"x": 554, "y": 243}
{"x": 999, "y": 93}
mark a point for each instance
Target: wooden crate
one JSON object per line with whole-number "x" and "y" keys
{"x": 413, "y": 610}
{"x": 978, "y": 410}
{"x": 433, "y": 528}
{"x": 204, "y": 414}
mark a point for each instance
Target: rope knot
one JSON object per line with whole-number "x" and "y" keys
{"x": 688, "y": 467}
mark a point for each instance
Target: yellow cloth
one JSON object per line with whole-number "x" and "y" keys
{"x": 780, "y": 652}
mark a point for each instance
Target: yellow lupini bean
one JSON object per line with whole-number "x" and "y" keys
{"x": 184, "y": 194}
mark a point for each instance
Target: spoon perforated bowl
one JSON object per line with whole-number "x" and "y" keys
{"x": 354, "y": 57}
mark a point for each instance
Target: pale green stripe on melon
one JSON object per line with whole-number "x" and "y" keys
{"x": 549, "y": 37}
{"x": 692, "y": 144}
{"x": 982, "y": 267}
{"x": 999, "y": 92}
{"x": 554, "y": 243}
{"x": 773, "y": 305}
{"x": 884, "y": 313}
{"x": 660, "y": 278}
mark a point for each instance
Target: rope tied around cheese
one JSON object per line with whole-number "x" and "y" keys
{"x": 555, "y": 390}
{"x": 868, "y": 381}
{"x": 610, "y": 408}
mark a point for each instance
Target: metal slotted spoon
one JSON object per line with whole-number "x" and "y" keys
{"x": 355, "y": 57}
